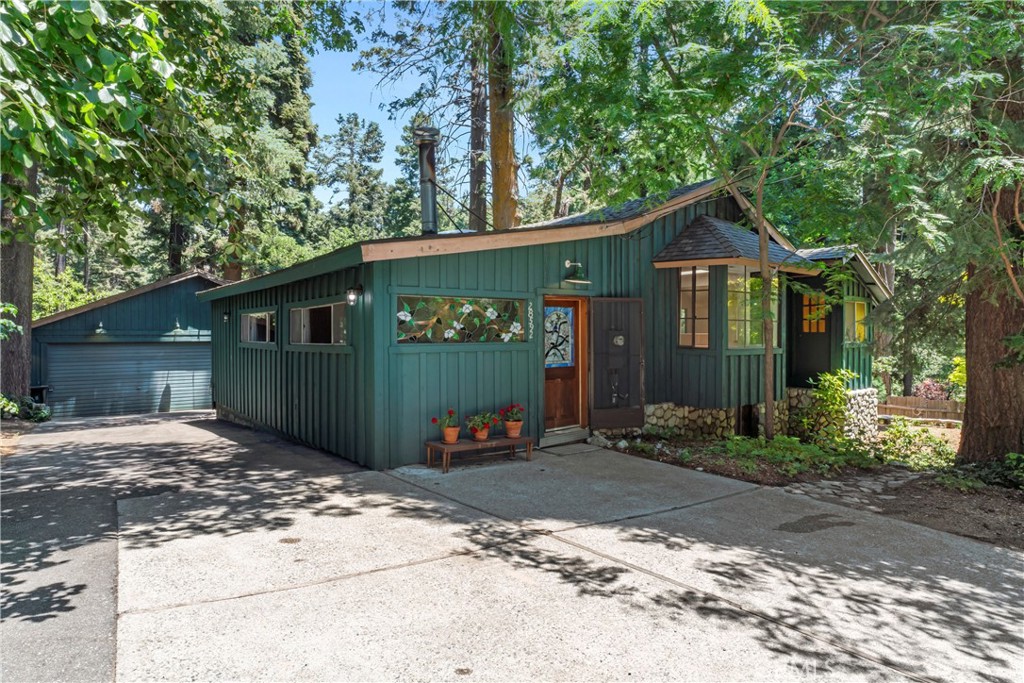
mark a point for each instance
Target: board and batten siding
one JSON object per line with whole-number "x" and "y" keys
{"x": 372, "y": 402}
{"x": 148, "y": 317}
{"x": 427, "y": 379}
{"x": 321, "y": 396}
{"x": 856, "y": 356}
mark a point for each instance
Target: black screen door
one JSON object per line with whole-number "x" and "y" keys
{"x": 618, "y": 363}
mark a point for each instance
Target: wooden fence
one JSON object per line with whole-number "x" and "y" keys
{"x": 914, "y": 406}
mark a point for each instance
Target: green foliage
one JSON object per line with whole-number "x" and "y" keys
{"x": 7, "y": 324}
{"x": 823, "y": 421}
{"x": 8, "y": 407}
{"x": 483, "y": 420}
{"x": 791, "y": 456}
{"x": 25, "y": 408}
{"x": 1007, "y": 473}
{"x": 961, "y": 483}
{"x": 643, "y": 447}
{"x": 55, "y": 293}
{"x": 958, "y": 378}
{"x": 915, "y": 447}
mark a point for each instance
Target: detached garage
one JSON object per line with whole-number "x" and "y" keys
{"x": 142, "y": 351}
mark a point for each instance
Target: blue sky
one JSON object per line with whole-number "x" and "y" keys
{"x": 337, "y": 89}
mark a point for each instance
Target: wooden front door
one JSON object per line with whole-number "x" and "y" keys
{"x": 565, "y": 362}
{"x": 618, "y": 356}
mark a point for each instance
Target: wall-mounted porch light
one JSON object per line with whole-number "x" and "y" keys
{"x": 577, "y": 276}
{"x": 99, "y": 328}
{"x": 227, "y": 316}
{"x": 353, "y": 294}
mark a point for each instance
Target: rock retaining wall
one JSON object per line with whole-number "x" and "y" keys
{"x": 861, "y": 412}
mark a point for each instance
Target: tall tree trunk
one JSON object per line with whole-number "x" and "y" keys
{"x": 767, "y": 322}
{"x": 232, "y": 265}
{"x": 60, "y": 258}
{"x": 908, "y": 383}
{"x": 994, "y": 414}
{"x": 558, "y": 211}
{"x": 477, "y": 141}
{"x": 86, "y": 260}
{"x": 504, "y": 187}
{"x": 175, "y": 245}
{"x": 993, "y": 417}
{"x": 16, "y": 288}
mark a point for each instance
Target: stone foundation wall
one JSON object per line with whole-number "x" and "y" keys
{"x": 707, "y": 423}
{"x": 861, "y": 412}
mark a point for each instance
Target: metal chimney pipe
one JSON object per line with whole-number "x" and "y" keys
{"x": 426, "y": 139}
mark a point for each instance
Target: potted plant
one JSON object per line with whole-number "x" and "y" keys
{"x": 513, "y": 416}
{"x": 449, "y": 425}
{"x": 480, "y": 424}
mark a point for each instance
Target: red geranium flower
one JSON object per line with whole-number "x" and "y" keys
{"x": 495, "y": 420}
{"x": 451, "y": 412}
{"x": 473, "y": 429}
{"x": 501, "y": 411}
{"x": 434, "y": 420}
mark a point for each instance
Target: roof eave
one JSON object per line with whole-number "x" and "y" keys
{"x": 138, "y": 291}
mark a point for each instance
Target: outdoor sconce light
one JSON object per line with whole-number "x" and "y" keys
{"x": 99, "y": 328}
{"x": 353, "y": 294}
{"x": 577, "y": 277}
{"x": 227, "y": 317}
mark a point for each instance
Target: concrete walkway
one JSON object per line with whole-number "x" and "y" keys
{"x": 236, "y": 559}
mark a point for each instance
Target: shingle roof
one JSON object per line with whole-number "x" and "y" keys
{"x": 622, "y": 212}
{"x": 707, "y": 237}
{"x": 826, "y": 253}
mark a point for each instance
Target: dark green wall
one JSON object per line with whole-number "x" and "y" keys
{"x": 324, "y": 397}
{"x": 148, "y": 317}
{"x": 855, "y": 356}
{"x": 372, "y": 401}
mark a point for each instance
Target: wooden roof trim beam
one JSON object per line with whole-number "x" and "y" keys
{"x": 749, "y": 262}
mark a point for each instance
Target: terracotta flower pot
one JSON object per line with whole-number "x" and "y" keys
{"x": 513, "y": 428}
{"x": 481, "y": 434}
{"x": 451, "y": 435}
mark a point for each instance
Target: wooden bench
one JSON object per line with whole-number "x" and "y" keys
{"x": 499, "y": 443}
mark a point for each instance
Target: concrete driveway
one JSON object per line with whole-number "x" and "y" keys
{"x": 184, "y": 549}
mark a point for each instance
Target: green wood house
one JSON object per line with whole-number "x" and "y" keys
{"x": 142, "y": 351}
{"x": 645, "y": 313}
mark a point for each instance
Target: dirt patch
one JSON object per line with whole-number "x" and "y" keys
{"x": 10, "y": 432}
{"x": 992, "y": 514}
{"x": 950, "y": 436}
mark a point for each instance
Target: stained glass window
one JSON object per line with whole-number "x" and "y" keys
{"x": 559, "y": 342}
{"x": 441, "y": 319}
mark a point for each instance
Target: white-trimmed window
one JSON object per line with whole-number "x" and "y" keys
{"x": 259, "y": 328}
{"x": 325, "y": 324}
{"x": 855, "y": 321}
{"x": 746, "y": 317}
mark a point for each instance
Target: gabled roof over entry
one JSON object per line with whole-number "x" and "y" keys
{"x": 99, "y": 303}
{"x": 848, "y": 253}
{"x": 710, "y": 240}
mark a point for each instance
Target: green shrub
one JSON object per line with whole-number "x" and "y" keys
{"x": 643, "y": 447}
{"x": 914, "y": 447}
{"x": 793, "y": 457}
{"x": 823, "y": 421}
{"x": 963, "y": 484}
{"x": 1008, "y": 473}
{"x": 8, "y": 408}
{"x": 25, "y": 408}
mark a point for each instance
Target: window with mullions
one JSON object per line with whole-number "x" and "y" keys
{"x": 746, "y": 317}
{"x": 259, "y": 328}
{"x": 814, "y": 313}
{"x": 693, "y": 307}
{"x": 318, "y": 324}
